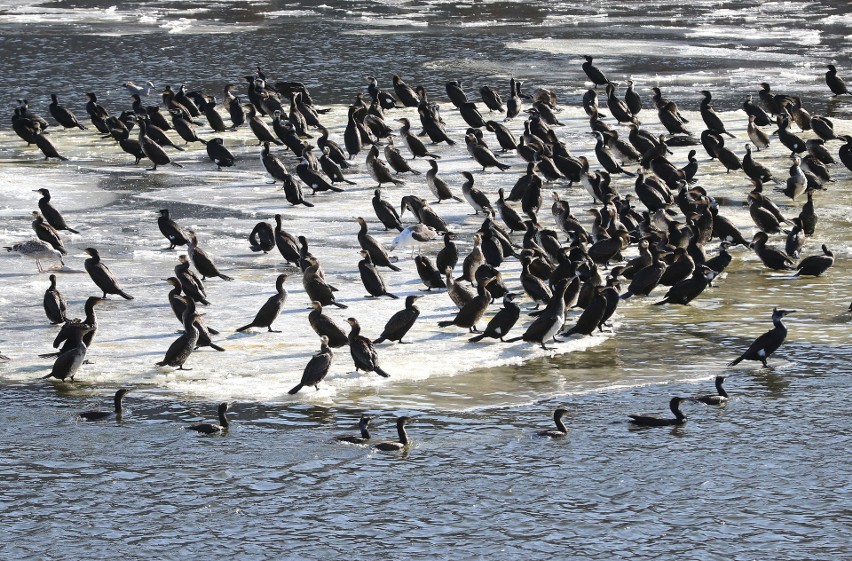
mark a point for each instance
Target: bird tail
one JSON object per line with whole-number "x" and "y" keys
{"x": 450, "y": 141}
{"x": 478, "y": 338}
{"x": 225, "y": 277}
{"x": 82, "y": 126}
{"x": 216, "y": 347}
{"x": 339, "y": 305}
{"x": 415, "y": 172}
{"x": 49, "y": 355}
{"x": 335, "y": 189}
{"x": 393, "y": 267}
{"x": 202, "y": 141}
{"x": 349, "y": 182}
{"x": 307, "y": 204}
{"x": 626, "y": 295}
{"x": 243, "y": 328}
{"x": 177, "y": 165}
{"x": 72, "y": 230}
{"x": 736, "y": 361}
{"x": 729, "y": 134}
{"x": 379, "y": 340}
{"x": 445, "y": 323}
{"x": 381, "y": 372}
{"x": 63, "y": 158}
{"x": 296, "y": 389}
{"x": 398, "y": 182}
{"x": 457, "y": 199}
{"x": 513, "y": 339}
{"x": 176, "y": 147}
{"x": 394, "y": 296}
{"x": 124, "y": 295}
{"x": 503, "y": 167}
{"x": 212, "y": 331}
{"x": 661, "y": 302}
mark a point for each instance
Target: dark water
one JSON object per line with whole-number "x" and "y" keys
{"x": 765, "y": 477}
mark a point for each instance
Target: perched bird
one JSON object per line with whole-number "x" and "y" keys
{"x": 218, "y": 154}
{"x": 171, "y": 230}
{"x": 101, "y": 415}
{"x": 502, "y": 322}
{"x": 36, "y": 249}
{"x": 594, "y": 73}
{"x": 371, "y": 278}
{"x": 102, "y": 276}
{"x": 561, "y": 430}
{"x": 271, "y": 309}
{"x": 317, "y": 368}
{"x": 69, "y": 360}
{"x": 180, "y": 349}
{"x": 763, "y": 347}
{"x": 476, "y": 198}
{"x": 211, "y": 428}
{"x": 649, "y": 421}
{"x": 401, "y": 322}
{"x": 202, "y": 260}
{"x": 63, "y": 115}
{"x": 50, "y": 214}
{"x": 54, "y": 303}
{"x": 834, "y": 82}
{"x": 364, "y": 355}
{"x": 47, "y": 233}
{"x": 324, "y": 326}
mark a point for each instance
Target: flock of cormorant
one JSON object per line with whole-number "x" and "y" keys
{"x": 561, "y": 267}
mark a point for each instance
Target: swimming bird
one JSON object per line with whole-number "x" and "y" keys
{"x": 211, "y": 428}
{"x": 813, "y": 265}
{"x": 403, "y": 442}
{"x": 834, "y": 82}
{"x": 401, "y": 322}
{"x": 317, "y": 368}
{"x": 134, "y": 89}
{"x": 36, "y": 249}
{"x": 363, "y": 353}
{"x": 763, "y": 347}
{"x": 650, "y": 421}
{"x": 54, "y": 303}
{"x": 363, "y": 424}
{"x": 101, "y": 415}
{"x": 561, "y": 430}
{"x": 271, "y": 309}
{"x": 102, "y": 276}
{"x": 719, "y": 398}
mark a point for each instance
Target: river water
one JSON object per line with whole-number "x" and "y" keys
{"x": 764, "y": 477}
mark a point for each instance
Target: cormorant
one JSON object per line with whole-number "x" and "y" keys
{"x": 317, "y": 368}
{"x": 649, "y": 421}
{"x": 561, "y": 430}
{"x": 399, "y": 323}
{"x": 403, "y": 438}
{"x": 101, "y": 415}
{"x": 210, "y": 428}
{"x": 719, "y": 398}
{"x": 768, "y": 343}
{"x": 502, "y": 322}
{"x": 271, "y": 309}
{"x": 102, "y": 276}
{"x": 54, "y": 303}
{"x": 363, "y": 353}
{"x": 363, "y": 425}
